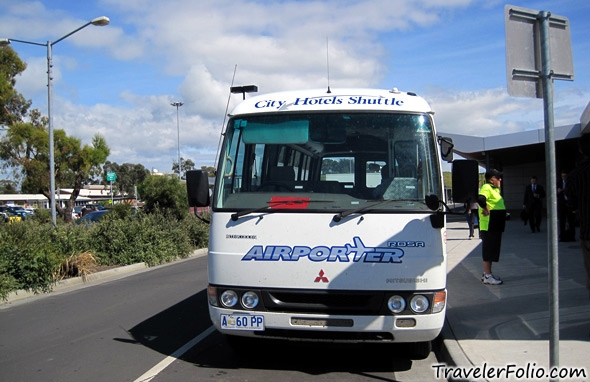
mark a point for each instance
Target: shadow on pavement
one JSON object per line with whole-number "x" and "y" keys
{"x": 172, "y": 328}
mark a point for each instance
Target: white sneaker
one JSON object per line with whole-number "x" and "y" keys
{"x": 491, "y": 280}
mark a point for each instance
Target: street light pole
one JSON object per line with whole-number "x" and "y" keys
{"x": 177, "y": 105}
{"x": 99, "y": 21}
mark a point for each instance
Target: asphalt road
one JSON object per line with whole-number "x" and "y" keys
{"x": 155, "y": 326}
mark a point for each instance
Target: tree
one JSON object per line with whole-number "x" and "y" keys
{"x": 13, "y": 106}
{"x": 25, "y": 146}
{"x": 165, "y": 193}
{"x": 186, "y": 165}
{"x": 210, "y": 171}
{"x": 7, "y": 187}
{"x": 25, "y": 150}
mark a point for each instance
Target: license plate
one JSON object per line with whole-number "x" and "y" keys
{"x": 242, "y": 322}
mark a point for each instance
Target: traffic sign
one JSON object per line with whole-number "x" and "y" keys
{"x": 111, "y": 176}
{"x": 523, "y": 51}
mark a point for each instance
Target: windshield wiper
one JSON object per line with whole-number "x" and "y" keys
{"x": 275, "y": 205}
{"x": 346, "y": 213}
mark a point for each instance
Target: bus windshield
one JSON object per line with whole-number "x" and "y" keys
{"x": 328, "y": 162}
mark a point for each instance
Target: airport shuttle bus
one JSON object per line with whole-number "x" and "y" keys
{"x": 327, "y": 219}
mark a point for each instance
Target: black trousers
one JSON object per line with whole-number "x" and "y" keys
{"x": 535, "y": 216}
{"x": 491, "y": 242}
{"x": 567, "y": 222}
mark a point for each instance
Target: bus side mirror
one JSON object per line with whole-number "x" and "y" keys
{"x": 432, "y": 201}
{"x": 465, "y": 180}
{"x": 197, "y": 187}
{"x": 446, "y": 148}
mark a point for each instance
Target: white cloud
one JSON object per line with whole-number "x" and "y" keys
{"x": 119, "y": 80}
{"x": 494, "y": 112}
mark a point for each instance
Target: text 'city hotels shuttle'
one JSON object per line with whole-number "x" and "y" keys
{"x": 327, "y": 219}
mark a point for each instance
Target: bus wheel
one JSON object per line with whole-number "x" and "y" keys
{"x": 420, "y": 350}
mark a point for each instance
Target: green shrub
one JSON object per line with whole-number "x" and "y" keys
{"x": 27, "y": 257}
{"x": 150, "y": 238}
{"x": 32, "y": 252}
{"x": 198, "y": 231}
{"x": 164, "y": 193}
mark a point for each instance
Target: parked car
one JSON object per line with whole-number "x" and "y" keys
{"x": 92, "y": 216}
{"x": 8, "y": 216}
{"x": 19, "y": 211}
{"x": 94, "y": 207}
{"x": 10, "y": 212}
{"x": 77, "y": 212}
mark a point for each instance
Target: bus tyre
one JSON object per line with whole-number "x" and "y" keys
{"x": 420, "y": 350}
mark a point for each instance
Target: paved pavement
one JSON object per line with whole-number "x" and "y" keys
{"x": 508, "y": 324}
{"x": 488, "y": 325}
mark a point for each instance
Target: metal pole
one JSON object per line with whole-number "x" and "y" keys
{"x": 547, "y": 83}
{"x": 178, "y": 141}
{"x": 178, "y": 104}
{"x": 99, "y": 21}
{"x": 51, "y": 145}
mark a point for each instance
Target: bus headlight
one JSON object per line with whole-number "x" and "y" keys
{"x": 419, "y": 303}
{"x": 229, "y": 298}
{"x": 250, "y": 300}
{"x": 396, "y": 304}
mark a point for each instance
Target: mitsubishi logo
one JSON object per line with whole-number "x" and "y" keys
{"x": 321, "y": 277}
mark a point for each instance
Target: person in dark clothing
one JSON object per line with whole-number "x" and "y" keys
{"x": 578, "y": 198}
{"x": 567, "y": 222}
{"x": 471, "y": 208}
{"x": 533, "y": 203}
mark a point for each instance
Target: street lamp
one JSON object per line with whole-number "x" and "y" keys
{"x": 99, "y": 21}
{"x": 178, "y": 104}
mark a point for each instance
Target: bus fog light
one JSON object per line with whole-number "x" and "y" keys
{"x": 229, "y": 298}
{"x": 405, "y": 323}
{"x": 419, "y": 304}
{"x": 250, "y": 300}
{"x": 396, "y": 304}
{"x": 439, "y": 301}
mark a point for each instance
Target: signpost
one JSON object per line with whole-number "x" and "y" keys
{"x": 531, "y": 38}
{"x": 526, "y": 46}
{"x": 111, "y": 177}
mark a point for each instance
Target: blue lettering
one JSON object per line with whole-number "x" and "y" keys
{"x": 359, "y": 100}
{"x": 300, "y": 252}
{"x": 373, "y": 257}
{"x": 319, "y": 253}
{"x": 357, "y": 251}
{"x": 268, "y": 252}
{"x": 406, "y": 244}
{"x": 391, "y": 255}
{"x": 255, "y": 253}
{"x": 338, "y": 254}
{"x": 269, "y": 103}
{"x": 281, "y": 252}
{"x": 318, "y": 101}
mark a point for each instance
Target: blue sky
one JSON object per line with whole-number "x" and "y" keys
{"x": 119, "y": 80}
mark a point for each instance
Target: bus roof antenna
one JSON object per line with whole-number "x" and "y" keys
{"x": 328, "y": 64}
